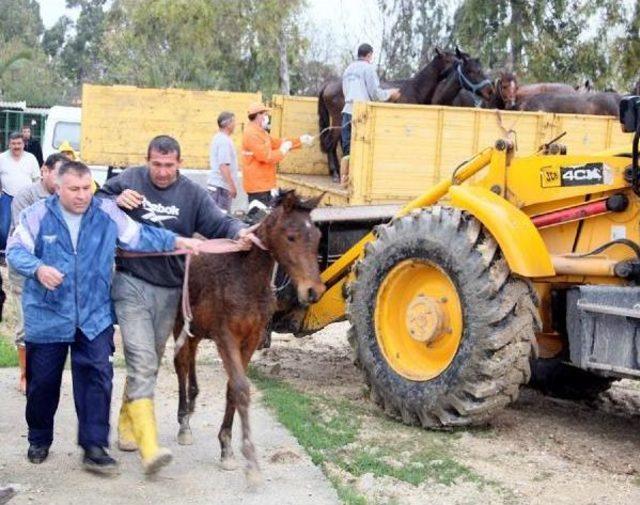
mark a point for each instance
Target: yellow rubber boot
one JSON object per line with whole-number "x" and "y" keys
{"x": 126, "y": 440}
{"x": 145, "y": 432}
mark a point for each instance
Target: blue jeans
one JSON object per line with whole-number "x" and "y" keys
{"x": 5, "y": 219}
{"x": 345, "y": 135}
{"x": 92, "y": 373}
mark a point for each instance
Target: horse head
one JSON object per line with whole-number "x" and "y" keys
{"x": 472, "y": 76}
{"x": 445, "y": 61}
{"x": 506, "y": 86}
{"x": 293, "y": 241}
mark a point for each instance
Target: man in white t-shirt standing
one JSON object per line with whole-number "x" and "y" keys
{"x": 221, "y": 182}
{"x": 18, "y": 169}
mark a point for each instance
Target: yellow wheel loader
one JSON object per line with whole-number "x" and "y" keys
{"x": 516, "y": 266}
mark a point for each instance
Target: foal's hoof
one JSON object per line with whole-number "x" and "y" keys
{"x": 254, "y": 479}
{"x": 185, "y": 437}
{"x": 229, "y": 463}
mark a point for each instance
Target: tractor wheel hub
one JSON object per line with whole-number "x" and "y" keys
{"x": 425, "y": 319}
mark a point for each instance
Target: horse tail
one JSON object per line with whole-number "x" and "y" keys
{"x": 324, "y": 122}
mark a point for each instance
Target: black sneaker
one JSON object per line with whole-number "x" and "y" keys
{"x": 37, "y": 453}
{"x": 97, "y": 460}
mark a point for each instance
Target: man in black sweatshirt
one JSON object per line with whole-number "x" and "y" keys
{"x": 146, "y": 291}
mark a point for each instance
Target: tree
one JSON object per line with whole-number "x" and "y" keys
{"x": 558, "y": 40}
{"x": 246, "y": 46}
{"x": 25, "y": 74}
{"x": 20, "y": 22}
{"x": 25, "y": 71}
{"x": 79, "y": 57}
{"x": 54, "y": 38}
{"x": 411, "y": 30}
{"x": 628, "y": 47}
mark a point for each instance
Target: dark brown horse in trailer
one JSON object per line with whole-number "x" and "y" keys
{"x": 232, "y": 301}
{"x": 527, "y": 91}
{"x": 599, "y": 104}
{"x": 419, "y": 89}
{"x": 466, "y": 85}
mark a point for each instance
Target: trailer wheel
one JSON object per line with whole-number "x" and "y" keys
{"x": 554, "y": 377}
{"x": 442, "y": 330}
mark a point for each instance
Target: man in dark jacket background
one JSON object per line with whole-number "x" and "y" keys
{"x": 32, "y": 145}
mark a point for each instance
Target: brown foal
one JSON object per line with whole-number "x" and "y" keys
{"x": 232, "y": 301}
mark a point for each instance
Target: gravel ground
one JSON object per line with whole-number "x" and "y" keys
{"x": 194, "y": 477}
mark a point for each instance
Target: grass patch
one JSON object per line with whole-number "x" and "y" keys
{"x": 425, "y": 465}
{"x": 8, "y": 353}
{"x": 347, "y": 494}
{"x": 347, "y": 436}
{"x": 321, "y": 426}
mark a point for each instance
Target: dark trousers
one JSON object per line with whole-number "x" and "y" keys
{"x": 345, "y": 135}
{"x": 92, "y": 373}
{"x": 263, "y": 196}
{"x": 221, "y": 197}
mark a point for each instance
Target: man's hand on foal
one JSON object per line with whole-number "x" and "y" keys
{"x": 190, "y": 244}
{"x": 49, "y": 277}
{"x": 129, "y": 199}
{"x": 244, "y": 238}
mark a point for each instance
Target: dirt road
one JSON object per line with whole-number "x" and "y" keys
{"x": 193, "y": 478}
{"x": 538, "y": 451}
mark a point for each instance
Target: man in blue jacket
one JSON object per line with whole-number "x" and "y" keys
{"x": 65, "y": 247}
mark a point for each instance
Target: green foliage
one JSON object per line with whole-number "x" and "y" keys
{"x": 411, "y": 30}
{"x": 559, "y": 40}
{"x": 8, "y": 354}
{"x": 25, "y": 70}
{"x": 228, "y": 44}
{"x": 251, "y": 45}
{"x": 629, "y": 49}
{"x": 20, "y": 22}
{"x": 80, "y": 54}
{"x": 34, "y": 80}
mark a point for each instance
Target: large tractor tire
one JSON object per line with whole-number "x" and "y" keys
{"x": 555, "y": 377}
{"x": 442, "y": 330}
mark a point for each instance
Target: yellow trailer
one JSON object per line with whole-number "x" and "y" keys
{"x": 119, "y": 121}
{"x": 398, "y": 151}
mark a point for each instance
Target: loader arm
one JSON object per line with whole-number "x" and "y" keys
{"x": 332, "y": 306}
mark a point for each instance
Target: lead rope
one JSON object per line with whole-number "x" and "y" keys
{"x": 187, "y": 314}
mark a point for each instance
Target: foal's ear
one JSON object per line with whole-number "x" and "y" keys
{"x": 312, "y": 203}
{"x": 288, "y": 200}
{"x": 461, "y": 54}
{"x": 438, "y": 51}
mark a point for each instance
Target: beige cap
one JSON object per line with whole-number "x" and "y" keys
{"x": 256, "y": 108}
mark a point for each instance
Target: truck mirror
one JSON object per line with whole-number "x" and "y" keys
{"x": 630, "y": 113}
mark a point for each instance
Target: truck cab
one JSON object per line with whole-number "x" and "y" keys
{"x": 63, "y": 123}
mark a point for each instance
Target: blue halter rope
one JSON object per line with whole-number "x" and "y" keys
{"x": 474, "y": 88}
